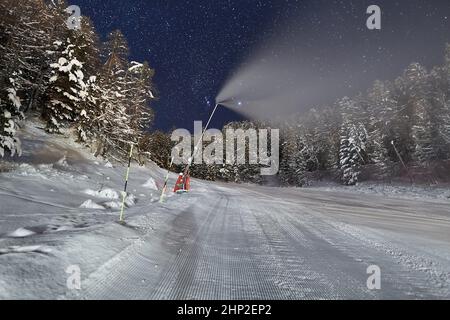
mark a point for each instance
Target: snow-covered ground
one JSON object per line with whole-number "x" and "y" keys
{"x": 60, "y": 206}
{"x": 405, "y": 191}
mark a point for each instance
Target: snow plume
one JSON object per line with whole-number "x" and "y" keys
{"x": 277, "y": 82}
{"x": 289, "y": 73}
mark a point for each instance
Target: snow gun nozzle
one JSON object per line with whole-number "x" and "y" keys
{"x": 229, "y": 103}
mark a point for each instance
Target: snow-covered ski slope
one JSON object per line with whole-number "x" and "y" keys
{"x": 59, "y": 208}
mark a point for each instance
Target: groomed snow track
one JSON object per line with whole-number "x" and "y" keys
{"x": 236, "y": 242}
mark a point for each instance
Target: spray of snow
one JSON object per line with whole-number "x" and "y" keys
{"x": 286, "y": 75}
{"x": 275, "y": 83}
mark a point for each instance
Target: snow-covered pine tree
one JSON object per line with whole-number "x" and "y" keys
{"x": 10, "y": 114}
{"x": 51, "y": 28}
{"x": 67, "y": 88}
{"x": 400, "y": 121}
{"x": 352, "y": 150}
{"x": 157, "y": 146}
{"x": 440, "y": 102}
{"x": 419, "y": 91}
{"x": 141, "y": 92}
{"x": 241, "y": 172}
{"x": 288, "y": 164}
{"x": 30, "y": 28}
{"x": 88, "y": 111}
{"x": 27, "y": 29}
{"x": 439, "y": 99}
{"x": 312, "y": 133}
{"x": 298, "y": 155}
{"x": 353, "y": 144}
{"x": 380, "y": 102}
{"x": 205, "y": 172}
{"x": 306, "y": 158}
{"x": 72, "y": 84}
{"x": 444, "y": 117}
{"x": 329, "y": 133}
{"x": 86, "y": 46}
{"x": 114, "y": 123}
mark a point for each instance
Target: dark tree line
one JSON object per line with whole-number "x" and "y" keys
{"x": 71, "y": 79}
{"x": 401, "y": 122}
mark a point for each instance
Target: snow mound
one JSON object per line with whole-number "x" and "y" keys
{"x": 44, "y": 171}
{"x": 112, "y": 204}
{"x": 89, "y": 204}
{"x": 130, "y": 201}
{"x": 393, "y": 191}
{"x": 25, "y": 249}
{"x": 26, "y": 169}
{"x": 151, "y": 184}
{"x": 108, "y": 165}
{"x": 63, "y": 162}
{"x": 21, "y": 233}
{"x": 104, "y": 193}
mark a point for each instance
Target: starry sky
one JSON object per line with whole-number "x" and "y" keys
{"x": 196, "y": 45}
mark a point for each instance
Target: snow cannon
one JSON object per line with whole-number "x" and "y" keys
{"x": 183, "y": 183}
{"x": 184, "y": 180}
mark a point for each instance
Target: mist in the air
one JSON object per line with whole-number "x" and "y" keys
{"x": 299, "y": 67}
{"x": 282, "y": 78}
{"x": 269, "y": 85}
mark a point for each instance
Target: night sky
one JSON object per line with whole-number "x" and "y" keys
{"x": 195, "y": 45}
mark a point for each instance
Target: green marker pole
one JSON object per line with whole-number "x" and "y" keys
{"x": 161, "y": 199}
{"x": 124, "y": 194}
